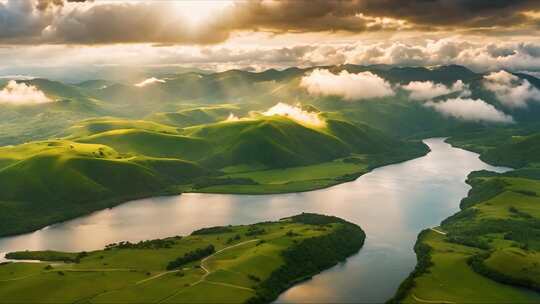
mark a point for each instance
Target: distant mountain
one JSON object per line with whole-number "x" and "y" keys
{"x": 177, "y": 100}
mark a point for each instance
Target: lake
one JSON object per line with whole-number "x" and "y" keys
{"x": 392, "y": 204}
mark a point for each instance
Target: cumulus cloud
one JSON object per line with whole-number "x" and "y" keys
{"x": 148, "y": 81}
{"x": 22, "y": 94}
{"x": 478, "y": 57}
{"x": 296, "y": 113}
{"x": 425, "y": 90}
{"x": 350, "y": 86}
{"x": 470, "y": 110}
{"x": 512, "y": 91}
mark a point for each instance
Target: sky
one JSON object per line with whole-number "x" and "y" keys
{"x": 62, "y": 37}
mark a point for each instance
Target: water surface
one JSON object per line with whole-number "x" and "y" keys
{"x": 392, "y": 204}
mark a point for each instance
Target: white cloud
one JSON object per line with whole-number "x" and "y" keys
{"x": 296, "y": 113}
{"x": 347, "y": 85}
{"x": 512, "y": 91}
{"x": 425, "y": 90}
{"x": 22, "y": 94}
{"x": 479, "y": 57}
{"x": 149, "y": 81}
{"x": 232, "y": 117}
{"x": 470, "y": 110}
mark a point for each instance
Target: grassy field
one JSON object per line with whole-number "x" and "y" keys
{"x": 244, "y": 264}
{"x": 451, "y": 280}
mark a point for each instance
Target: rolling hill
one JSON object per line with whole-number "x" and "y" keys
{"x": 51, "y": 181}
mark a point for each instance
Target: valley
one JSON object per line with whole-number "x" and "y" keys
{"x": 224, "y": 133}
{"x": 381, "y": 201}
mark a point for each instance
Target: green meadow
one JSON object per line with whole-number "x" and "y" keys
{"x": 249, "y": 263}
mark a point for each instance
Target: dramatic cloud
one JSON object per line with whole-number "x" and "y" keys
{"x": 87, "y": 22}
{"x": 148, "y": 81}
{"x": 307, "y": 16}
{"x": 425, "y": 90}
{"x": 296, "y": 113}
{"x": 470, "y": 110}
{"x": 21, "y": 94}
{"x": 479, "y": 57}
{"x": 62, "y": 61}
{"x": 101, "y": 22}
{"x": 512, "y": 91}
{"x": 349, "y": 86}
{"x": 461, "y": 13}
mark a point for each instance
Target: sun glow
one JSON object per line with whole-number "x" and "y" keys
{"x": 199, "y": 12}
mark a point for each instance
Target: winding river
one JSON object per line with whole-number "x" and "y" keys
{"x": 392, "y": 204}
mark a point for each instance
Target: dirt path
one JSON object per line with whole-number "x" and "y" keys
{"x": 431, "y": 301}
{"x": 438, "y": 231}
{"x": 156, "y": 276}
{"x": 229, "y": 285}
{"x": 208, "y": 272}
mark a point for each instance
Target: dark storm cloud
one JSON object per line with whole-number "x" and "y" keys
{"x": 453, "y": 13}
{"x": 321, "y": 15}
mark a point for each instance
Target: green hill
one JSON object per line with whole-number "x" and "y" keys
{"x": 520, "y": 151}
{"x": 196, "y": 116}
{"x": 270, "y": 141}
{"x": 149, "y": 143}
{"x": 103, "y": 124}
{"x": 51, "y": 181}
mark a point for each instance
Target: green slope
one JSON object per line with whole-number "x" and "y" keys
{"x": 196, "y": 116}
{"x": 47, "y": 182}
{"x": 518, "y": 152}
{"x": 97, "y": 125}
{"x": 150, "y": 143}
